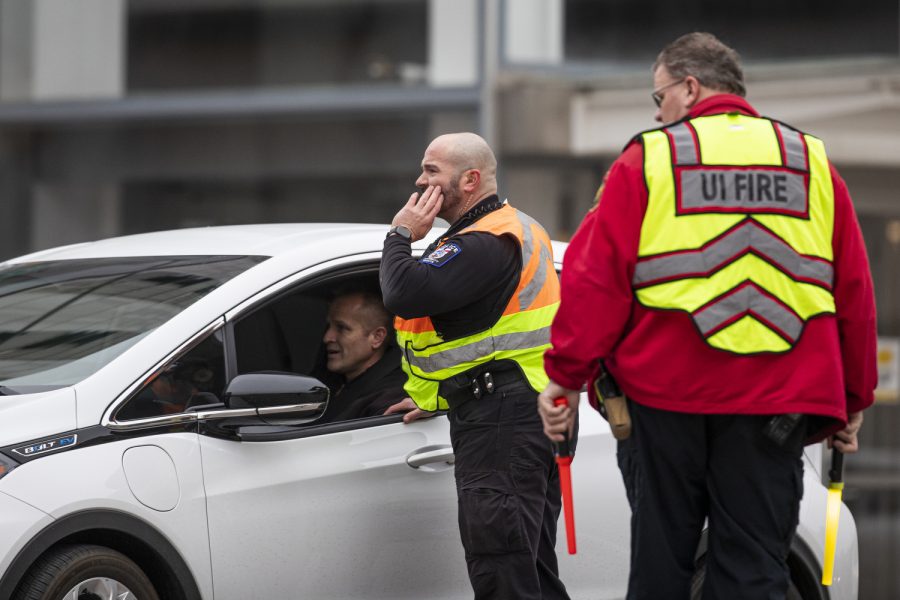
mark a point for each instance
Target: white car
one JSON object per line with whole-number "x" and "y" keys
{"x": 143, "y": 455}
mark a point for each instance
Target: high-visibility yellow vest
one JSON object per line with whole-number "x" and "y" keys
{"x": 738, "y": 230}
{"x": 521, "y": 334}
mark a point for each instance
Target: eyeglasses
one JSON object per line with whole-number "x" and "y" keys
{"x": 657, "y": 98}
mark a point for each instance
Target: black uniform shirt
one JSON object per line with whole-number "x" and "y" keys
{"x": 463, "y": 287}
{"x": 371, "y": 393}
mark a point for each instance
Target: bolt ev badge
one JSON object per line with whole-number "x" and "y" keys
{"x": 45, "y": 446}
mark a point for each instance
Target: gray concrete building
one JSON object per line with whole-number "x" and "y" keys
{"x": 124, "y": 116}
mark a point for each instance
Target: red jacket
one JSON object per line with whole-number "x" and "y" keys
{"x": 658, "y": 358}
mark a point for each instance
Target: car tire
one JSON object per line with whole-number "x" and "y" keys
{"x": 700, "y": 576}
{"x": 85, "y": 572}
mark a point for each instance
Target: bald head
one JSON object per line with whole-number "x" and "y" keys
{"x": 464, "y": 166}
{"x": 469, "y": 151}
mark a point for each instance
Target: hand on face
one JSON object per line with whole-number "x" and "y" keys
{"x": 420, "y": 211}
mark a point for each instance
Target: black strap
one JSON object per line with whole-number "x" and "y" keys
{"x": 481, "y": 381}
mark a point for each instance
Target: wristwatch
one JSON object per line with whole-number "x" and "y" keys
{"x": 400, "y": 230}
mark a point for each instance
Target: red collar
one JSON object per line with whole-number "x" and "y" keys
{"x": 722, "y": 103}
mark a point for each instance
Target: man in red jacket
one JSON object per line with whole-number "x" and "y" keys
{"x": 723, "y": 280}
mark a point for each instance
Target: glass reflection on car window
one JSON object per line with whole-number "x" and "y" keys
{"x": 60, "y": 321}
{"x": 195, "y": 378}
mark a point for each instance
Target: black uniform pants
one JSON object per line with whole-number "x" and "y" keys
{"x": 507, "y": 487}
{"x": 681, "y": 469}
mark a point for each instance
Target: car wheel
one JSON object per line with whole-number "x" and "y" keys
{"x": 85, "y": 572}
{"x": 700, "y": 576}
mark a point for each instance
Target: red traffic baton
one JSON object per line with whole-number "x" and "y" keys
{"x": 564, "y": 461}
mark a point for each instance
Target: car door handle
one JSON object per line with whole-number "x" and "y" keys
{"x": 429, "y": 455}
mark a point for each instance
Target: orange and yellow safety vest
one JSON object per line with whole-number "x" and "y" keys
{"x": 521, "y": 334}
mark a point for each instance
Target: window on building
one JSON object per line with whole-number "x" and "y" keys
{"x": 176, "y": 45}
{"x": 627, "y": 34}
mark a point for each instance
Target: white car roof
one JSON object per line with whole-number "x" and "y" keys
{"x": 257, "y": 240}
{"x": 246, "y": 240}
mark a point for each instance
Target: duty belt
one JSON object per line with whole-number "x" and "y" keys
{"x": 473, "y": 386}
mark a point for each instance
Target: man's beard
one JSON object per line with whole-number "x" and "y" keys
{"x": 453, "y": 201}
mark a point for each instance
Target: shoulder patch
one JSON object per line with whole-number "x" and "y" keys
{"x": 441, "y": 256}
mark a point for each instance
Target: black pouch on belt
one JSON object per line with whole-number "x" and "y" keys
{"x": 480, "y": 381}
{"x": 780, "y": 427}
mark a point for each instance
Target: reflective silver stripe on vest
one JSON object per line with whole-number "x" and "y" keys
{"x": 447, "y": 359}
{"x": 533, "y": 287}
{"x": 711, "y": 189}
{"x": 748, "y": 300}
{"x": 794, "y": 147}
{"x": 685, "y": 149}
{"x": 747, "y": 236}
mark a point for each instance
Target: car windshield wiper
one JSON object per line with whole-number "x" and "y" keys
{"x": 5, "y": 391}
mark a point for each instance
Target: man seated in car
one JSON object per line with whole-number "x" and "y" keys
{"x": 359, "y": 348}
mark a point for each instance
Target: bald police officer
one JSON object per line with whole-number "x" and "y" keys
{"x": 474, "y": 314}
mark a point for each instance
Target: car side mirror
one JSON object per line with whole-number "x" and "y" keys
{"x": 277, "y": 398}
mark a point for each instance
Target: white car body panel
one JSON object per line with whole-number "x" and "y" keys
{"x": 309, "y": 498}
{"x": 92, "y": 478}
{"x": 263, "y": 240}
{"x": 339, "y": 515}
{"x": 44, "y": 415}
{"x": 19, "y": 522}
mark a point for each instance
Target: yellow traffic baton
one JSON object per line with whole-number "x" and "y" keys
{"x": 832, "y": 513}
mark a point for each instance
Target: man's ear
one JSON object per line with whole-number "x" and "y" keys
{"x": 379, "y": 335}
{"x": 693, "y": 90}
{"x": 470, "y": 180}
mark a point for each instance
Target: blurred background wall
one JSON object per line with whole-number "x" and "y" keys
{"x": 124, "y": 116}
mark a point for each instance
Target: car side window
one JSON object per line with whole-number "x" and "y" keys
{"x": 195, "y": 377}
{"x": 336, "y": 331}
{"x": 284, "y": 335}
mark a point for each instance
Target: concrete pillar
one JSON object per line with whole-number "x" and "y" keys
{"x": 68, "y": 214}
{"x": 533, "y": 31}
{"x": 15, "y": 50}
{"x": 456, "y": 58}
{"x": 61, "y": 50}
{"x": 453, "y": 41}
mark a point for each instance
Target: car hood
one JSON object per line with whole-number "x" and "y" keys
{"x": 26, "y": 417}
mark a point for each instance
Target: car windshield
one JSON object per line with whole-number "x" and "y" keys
{"x": 60, "y": 321}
